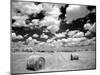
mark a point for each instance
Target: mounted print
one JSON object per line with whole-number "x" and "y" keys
{"x": 52, "y": 37}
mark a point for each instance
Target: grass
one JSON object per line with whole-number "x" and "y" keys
{"x": 57, "y": 61}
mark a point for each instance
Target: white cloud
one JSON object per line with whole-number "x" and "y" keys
{"x": 73, "y": 7}
{"x": 51, "y": 23}
{"x": 65, "y": 41}
{"x": 45, "y": 30}
{"x": 87, "y": 26}
{"x": 44, "y": 36}
{"x": 90, "y": 27}
{"x": 51, "y": 44}
{"x": 60, "y": 35}
{"x": 51, "y": 18}
{"x": 51, "y": 9}
{"x": 93, "y": 11}
{"x": 50, "y": 40}
{"x": 88, "y": 33}
{"x": 73, "y": 39}
{"x": 35, "y": 21}
{"x": 32, "y": 42}
{"x": 52, "y": 12}
{"x": 20, "y": 20}
{"x": 41, "y": 43}
{"x": 35, "y": 35}
{"x": 25, "y": 35}
{"x": 71, "y": 33}
{"x": 19, "y": 37}
{"x": 74, "y": 12}
{"x": 27, "y": 7}
{"x": 19, "y": 23}
{"x": 93, "y": 39}
{"x": 30, "y": 38}
{"x": 14, "y": 36}
{"x": 35, "y": 41}
{"x": 69, "y": 40}
{"x": 53, "y": 28}
{"x": 24, "y": 17}
{"x": 93, "y": 28}
{"x": 79, "y": 34}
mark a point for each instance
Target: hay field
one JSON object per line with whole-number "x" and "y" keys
{"x": 58, "y": 61}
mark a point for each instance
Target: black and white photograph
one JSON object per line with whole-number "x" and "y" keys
{"x": 52, "y": 37}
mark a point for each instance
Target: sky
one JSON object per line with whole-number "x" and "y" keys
{"x": 50, "y": 22}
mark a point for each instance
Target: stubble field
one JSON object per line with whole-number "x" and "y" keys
{"x": 57, "y": 61}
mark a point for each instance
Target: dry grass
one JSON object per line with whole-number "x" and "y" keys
{"x": 58, "y": 61}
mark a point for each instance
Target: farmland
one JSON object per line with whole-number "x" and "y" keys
{"x": 57, "y": 61}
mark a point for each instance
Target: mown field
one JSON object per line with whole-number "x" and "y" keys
{"x": 55, "y": 61}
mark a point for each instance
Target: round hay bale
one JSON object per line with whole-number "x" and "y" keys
{"x": 35, "y": 63}
{"x": 74, "y": 56}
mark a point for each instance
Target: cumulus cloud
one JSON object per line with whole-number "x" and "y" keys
{"x": 52, "y": 9}
{"x": 21, "y": 17}
{"x": 35, "y": 22}
{"x": 19, "y": 23}
{"x": 25, "y": 35}
{"x": 14, "y": 36}
{"x": 35, "y": 41}
{"x": 60, "y": 35}
{"x": 20, "y": 20}
{"x": 93, "y": 11}
{"x": 27, "y": 7}
{"x": 75, "y": 39}
{"x": 68, "y": 41}
{"x": 93, "y": 39}
{"x": 51, "y": 18}
{"x": 55, "y": 12}
{"x": 71, "y": 33}
{"x": 53, "y": 28}
{"x": 52, "y": 12}
{"x": 88, "y": 41}
{"x": 87, "y": 26}
{"x": 74, "y": 12}
{"x": 88, "y": 33}
{"x": 19, "y": 37}
{"x": 50, "y": 40}
{"x": 93, "y": 28}
{"x": 79, "y": 34}
{"x": 29, "y": 38}
{"x": 51, "y": 23}
{"x": 73, "y": 7}
{"x": 41, "y": 43}
{"x": 44, "y": 36}
{"x": 35, "y": 35}
{"x": 90, "y": 27}
{"x": 45, "y": 30}
{"x": 75, "y": 34}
